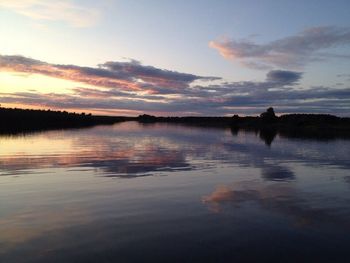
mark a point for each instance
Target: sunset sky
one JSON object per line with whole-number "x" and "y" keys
{"x": 176, "y": 57}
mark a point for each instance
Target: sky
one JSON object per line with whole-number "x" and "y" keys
{"x": 176, "y": 58}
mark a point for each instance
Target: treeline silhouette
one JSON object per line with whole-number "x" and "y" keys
{"x": 267, "y": 125}
{"x": 14, "y": 120}
{"x": 322, "y": 126}
{"x": 191, "y": 120}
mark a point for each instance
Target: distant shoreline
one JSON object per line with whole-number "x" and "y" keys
{"x": 318, "y": 126}
{"x": 291, "y": 125}
{"x": 26, "y": 120}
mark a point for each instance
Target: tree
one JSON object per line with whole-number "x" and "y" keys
{"x": 268, "y": 115}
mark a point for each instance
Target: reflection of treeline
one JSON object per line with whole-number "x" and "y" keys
{"x": 22, "y": 120}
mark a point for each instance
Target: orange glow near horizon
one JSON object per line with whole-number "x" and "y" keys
{"x": 107, "y": 112}
{"x": 11, "y": 82}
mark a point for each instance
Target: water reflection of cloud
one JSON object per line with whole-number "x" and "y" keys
{"x": 108, "y": 166}
{"x": 128, "y": 168}
{"x": 279, "y": 198}
{"x": 347, "y": 179}
{"x": 127, "y": 154}
{"x": 238, "y": 193}
{"x": 277, "y": 173}
{"x": 130, "y": 149}
{"x": 28, "y": 224}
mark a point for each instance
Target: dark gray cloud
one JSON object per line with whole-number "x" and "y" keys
{"x": 346, "y": 77}
{"x": 283, "y": 76}
{"x": 10, "y": 61}
{"x": 135, "y": 70}
{"x": 289, "y": 52}
{"x": 343, "y": 75}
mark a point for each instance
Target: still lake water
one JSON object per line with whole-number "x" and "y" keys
{"x": 168, "y": 193}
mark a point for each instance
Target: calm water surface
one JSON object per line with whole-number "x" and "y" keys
{"x": 167, "y": 193}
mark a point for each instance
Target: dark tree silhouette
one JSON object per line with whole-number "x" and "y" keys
{"x": 268, "y": 115}
{"x": 27, "y": 120}
{"x": 291, "y": 125}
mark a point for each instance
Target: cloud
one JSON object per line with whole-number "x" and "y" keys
{"x": 128, "y": 76}
{"x": 343, "y": 75}
{"x": 283, "y": 76}
{"x": 346, "y": 77}
{"x": 64, "y": 10}
{"x": 314, "y": 100}
{"x": 137, "y": 88}
{"x": 151, "y": 74}
{"x": 289, "y": 52}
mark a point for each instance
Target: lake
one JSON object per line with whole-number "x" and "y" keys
{"x": 169, "y": 193}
